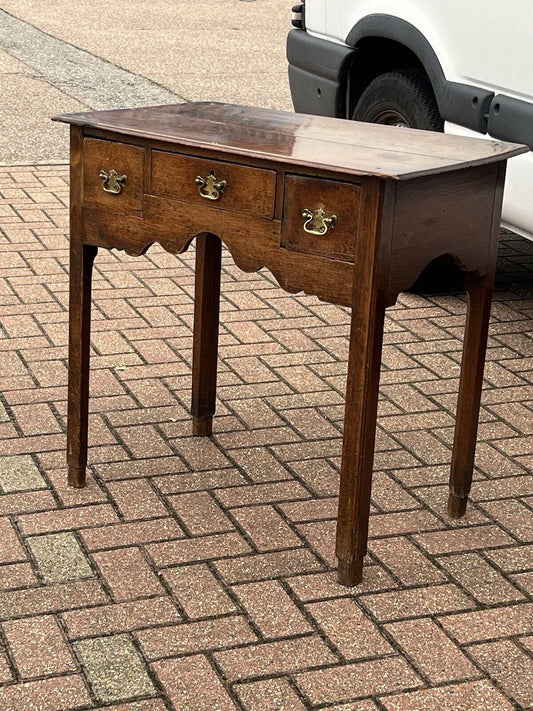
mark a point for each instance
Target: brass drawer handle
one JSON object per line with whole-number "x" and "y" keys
{"x": 112, "y": 182}
{"x": 316, "y": 222}
{"x": 210, "y": 188}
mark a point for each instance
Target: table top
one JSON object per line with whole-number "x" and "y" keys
{"x": 337, "y": 145}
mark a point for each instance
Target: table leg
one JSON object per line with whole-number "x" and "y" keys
{"x": 81, "y": 265}
{"x": 205, "y": 340}
{"x": 479, "y": 291}
{"x": 362, "y": 388}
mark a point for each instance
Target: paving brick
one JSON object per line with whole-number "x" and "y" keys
{"x": 145, "y": 705}
{"x": 120, "y": 617}
{"x": 135, "y": 469}
{"x": 269, "y": 695}
{"x": 152, "y": 392}
{"x": 509, "y": 667}
{"x": 344, "y": 683}
{"x": 388, "y": 495}
{"x": 271, "y": 658}
{"x": 490, "y": 624}
{"x": 525, "y": 581}
{"x": 268, "y": 565}
{"x": 198, "y": 592}
{"x": 59, "y": 557}
{"x": 513, "y": 516}
{"x": 65, "y": 519}
{"x": 513, "y": 559}
{"x": 131, "y": 534}
{"x": 256, "y": 413}
{"x": 11, "y": 549}
{"x": 311, "y": 509}
{"x": 460, "y": 539}
{"x": 481, "y": 580}
{"x": 144, "y": 441}
{"x": 402, "y": 522}
{"x": 136, "y": 499}
{"x": 266, "y": 528}
{"x": 256, "y": 437}
{"x": 69, "y": 495}
{"x": 435, "y": 498}
{"x": 127, "y": 574}
{"x": 200, "y": 513}
{"x": 415, "y": 602}
{"x": 114, "y": 668}
{"x": 319, "y": 475}
{"x": 192, "y": 684}
{"x": 320, "y": 536}
{"x": 260, "y": 465}
{"x": 41, "y": 600}
{"x": 271, "y": 609}
{"x": 39, "y": 443}
{"x": 505, "y": 487}
{"x": 433, "y": 654}
{"x": 201, "y": 453}
{"x": 459, "y": 697}
{"x": 349, "y": 629}
{"x": 323, "y": 585}
{"x": 38, "y": 647}
{"x": 406, "y": 561}
{"x": 36, "y": 419}
{"x": 5, "y": 669}
{"x": 215, "y": 546}
{"x": 261, "y": 493}
{"x": 367, "y": 705}
{"x": 57, "y": 694}
{"x": 200, "y": 636}
{"x": 19, "y": 473}
{"x": 17, "y": 575}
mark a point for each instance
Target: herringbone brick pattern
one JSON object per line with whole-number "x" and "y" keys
{"x": 197, "y": 575}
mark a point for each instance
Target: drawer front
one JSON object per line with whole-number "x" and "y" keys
{"x": 320, "y": 217}
{"x": 225, "y": 185}
{"x": 117, "y": 193}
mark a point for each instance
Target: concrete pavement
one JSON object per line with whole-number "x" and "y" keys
{"x": 63, "y": 56}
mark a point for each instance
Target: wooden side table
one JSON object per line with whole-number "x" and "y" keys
{"x": 347, "y": 211}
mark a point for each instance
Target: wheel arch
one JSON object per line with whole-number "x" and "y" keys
{"x": 381, "y": 40}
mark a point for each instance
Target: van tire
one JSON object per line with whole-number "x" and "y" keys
{"x": 400, "y": 98}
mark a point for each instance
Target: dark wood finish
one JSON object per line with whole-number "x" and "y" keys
{"x": 479, "y": 286}
{"x": 429, "y": 224}
{"x": 402, "y": 198}
{"x": 312, "y": 141}
{"x": 81, "y": 263}
{"x": 205, "y": 340}
{"x": 126, "y": 160}
{"x": 479, "y": 290}
{"x": 364, "y": 361}
{"x": 250, "y": 190}
{"x": 335, "y": 198}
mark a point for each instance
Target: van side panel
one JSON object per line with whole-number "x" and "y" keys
{"x": 462, "y": 35}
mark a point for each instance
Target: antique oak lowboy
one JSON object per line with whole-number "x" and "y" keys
{"x": 348, "y": 212}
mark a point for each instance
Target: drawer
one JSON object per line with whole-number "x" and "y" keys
{"x": 320, "y": 200}
{"x": 123, "y": 158}
{"x": 248, "y": 190}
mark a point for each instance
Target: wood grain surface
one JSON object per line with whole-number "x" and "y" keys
{"x": 333, "y": 144}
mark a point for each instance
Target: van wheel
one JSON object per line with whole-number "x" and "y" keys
{"x": 405, "y": 98}
{"x": 401, "y": 98}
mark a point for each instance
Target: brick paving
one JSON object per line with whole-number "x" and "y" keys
{"x": 198, "y": 575}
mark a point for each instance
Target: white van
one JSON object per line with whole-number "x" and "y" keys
{"x": 461, "y": 67}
